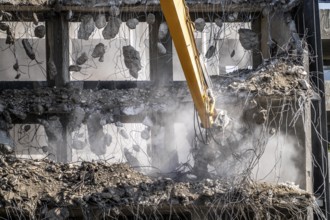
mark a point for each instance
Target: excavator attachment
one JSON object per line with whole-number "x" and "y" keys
{"x": 182, "y": 31}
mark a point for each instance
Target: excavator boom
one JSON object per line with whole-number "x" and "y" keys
{"x": 182, "y": 32}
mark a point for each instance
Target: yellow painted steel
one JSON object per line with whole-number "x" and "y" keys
{"x": 182, "y": 31}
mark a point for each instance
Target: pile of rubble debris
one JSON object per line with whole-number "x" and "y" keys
{"x": 49, "y": 190}
{"x": 277, "y": 78}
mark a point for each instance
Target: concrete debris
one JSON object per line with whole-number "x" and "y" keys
{"x": 49, "y": 190}
{"x": 119, "y": 124}
{"x": 145, "y": 134}
{"x": 69, "y": 15}
{"x": 123, "y": 133}
{"x": 248, "y": 38}
{"x": 132, "y": 60}
{"x": 6, "y": 149}
{"x": 4, "y": 26}
{"x": 304, "y": 84}
{"x": 200, "y": 24}
{"x": 147, "y": 121}
{"x": 28, "y": 49}
{"x": 74, "y": 68}
{"x": 112, "y": 28}
{"x": 260, "y": 117}
{"x": 136, "y": 148}
{"x": 298, "y": 70}
{"x": 133, "y": 110}
{"x": 161, "y": 48}
{"x": 151, "y": 18}
{"x": 40, "y": 31}
{"x": 99, "y": 51}
{"x": 232, "y": 17}
{"x": 132, "y": 23}
{"x": 114, "y": 11}
{"x": 100, "y": 21}
{"x": 107, "y": 139}
{"x": 35, "y": 19}
{"x": 131, "y": 159}
{"x": 163, "y": 31}
{"x": 210, "y": 52}
{"x": 10, "y": 40}
{"x": 82, "y": 59}
{"x": 218, "y": 22}
{"x": 87, "y": 27}
{"x": 275, "y": 79}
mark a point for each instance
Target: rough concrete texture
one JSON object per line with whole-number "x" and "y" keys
{"x": 218, "y": 22}
{"x": 114, "y": 11}
{"x": 151, "y": 18}
{"x": 40, "y": 31}
{"x": 83, "y": 57}
{"x": 132, "y": 60}
{"x": 100, "y": 21}
{"x": 99, "y": 51}
{"x": 277, "y": 79}
{"x": 248, "y": 38}
{"x": 200, "y": 24}
{"x": 74, "y": 68}
{"x": 52, "y": 191}
{"x": 87, "y": 27}
{"x": 132, "y": 23}
{"x": 163, "y": 31}
{"x": 210, "y": 52}
{"x": 112, "y": 28}
{"x": 161, "y": 48}
{"x": 4, "y": 26}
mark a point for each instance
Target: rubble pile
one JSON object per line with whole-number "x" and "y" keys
{"x": 274, "y": 79}
{"x": 38, "y": 187}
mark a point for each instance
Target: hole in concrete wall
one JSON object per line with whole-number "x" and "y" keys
{"x": 103, "y": 59}
{"x": 220, "y": 48}
{"x": 22, "y": 51}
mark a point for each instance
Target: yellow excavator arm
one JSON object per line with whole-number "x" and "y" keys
{"x": 182, "y": 32}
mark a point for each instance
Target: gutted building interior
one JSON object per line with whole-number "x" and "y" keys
{"x": 98, "y": 118}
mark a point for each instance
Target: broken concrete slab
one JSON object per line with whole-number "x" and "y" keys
{"x": 40, "y": 31}
{"x": 163, "y": 31}
{"x": 248, "y": 38}
{"x": 100, "y": 21}
{"x": 200, "y": 24}
{"x": 132, "y": 60}
{"x": 112, "y": 28}
{"x": 132, "y": 23}
{"x": 87, "y": 27}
